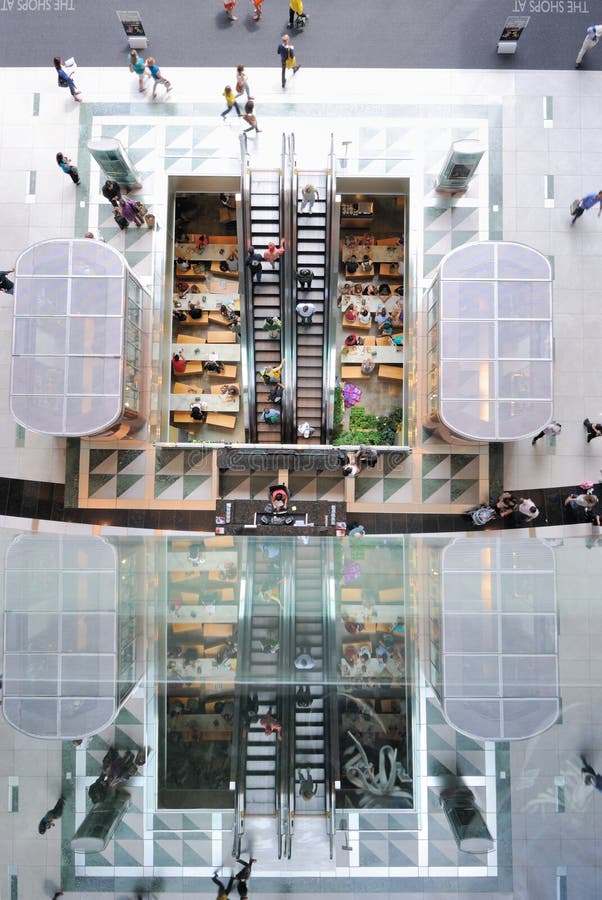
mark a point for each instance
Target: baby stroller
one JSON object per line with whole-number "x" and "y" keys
{"x": 482, "y": 515}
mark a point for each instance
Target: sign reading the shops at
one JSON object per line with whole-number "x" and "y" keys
{"x": 132, "y": 23}
{"x": 514, "y": 27}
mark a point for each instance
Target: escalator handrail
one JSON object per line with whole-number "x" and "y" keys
{"x": 330, "y": 291}
{"x": 247, "y": 348}
{"x": 286, "y": 296}
{"x": 332, "y": 762}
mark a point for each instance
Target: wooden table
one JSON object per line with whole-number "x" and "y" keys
{"x": 209, "y": 726}
{"x": 376, "y": 252}
{"x": 208, "y": 301}
{"x": 177, "y": 561}
{"x": 210, "y": 252}
{"x": 204, "y": 666}
{"x": 201, "y": 614}
{"x": 225, "y": 352}
{"x": 378, "y": 354}
{"x": 210, "y": 402}
{"x": 373, "y": 301}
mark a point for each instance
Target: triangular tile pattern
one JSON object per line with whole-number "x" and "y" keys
{"x": 106, "y": 858}
{"x": 442, "y": 853}
{"x": 196, "y": 487}
{"x": 466, "y": 463}
{"x": 435, "y": 490}
{"x": 235, "y": 487}
{"x": 464, "y": 490}
{"x": 169, "y": 462}
{"x": 169, "y": 487}
{"x": 471, "y": 762}
{"x": 441, "y": 762}
{"x": 397, "y": 490}
{"x": 167, "y": 853}
{"x": 398, "y": 463}
{"x": 432, "y": 461}
{"x": 102, "y": 462}
{"x": 143, "y": 135}
{"x": 303, "y": 487}
{"x": 174, "y": 132}
{"x": 260, "y": 485}
{"x": 330, "y": 488}
{"x": 196, "y": 853}
{"x": 373, "y": 853}
{"x": 467, "y": 216}
{"x": 128, "y": 853}
{"x": 460, "y": 237}
{"x": 370, "y": 490}
{"x": 441, "y": 737}
{"x": 198, "y": 461}
{"x": 102, "y": 487}
{"x": 131, "y": 462}
{"x": 130, "y": 487}
{"x": 403, "y": 852}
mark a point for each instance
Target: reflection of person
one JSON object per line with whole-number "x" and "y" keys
{"x": 590, "y": 776}
{"x": 552, "y": 428}
{"x": 271, "y": 725}
{"x": 47, "y": 821}
{"x": 592, "y": 36}
{"x": 223, "y": 890}
{"x": 309, "y": 195}
{"x": 593, "y": 431}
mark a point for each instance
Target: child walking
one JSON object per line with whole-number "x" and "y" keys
{"x": 229, "y": 8}
{"x": 250, "y": 118}
{"x": 230, "y": 96}
{"x": 64, "y": 163}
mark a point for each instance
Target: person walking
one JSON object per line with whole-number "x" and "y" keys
{"x": 590, "y": 776}
{"x": 304, "y": 279}
{"x": 271, "y": 725}
{"x": 526, "y": 511}
{"x": 250, "y": 117}
{"x": 309, "y": 195}
{"x": 288, "y": 60}
{"x": 47, "y": 821}
{"x": 592, "y": 36}
{"x": 305, "y": 660}
{"x": 552, "y": 429}
{"x": 272, "y": 374}
{"x": 273, "y": 252}
{"x": 305, "y": 311}
{"x": 64, "y": 163}
{"x": 229, "y": 6}
{"x": 586, "y": 203}
{"x": 136, "y": 64}
{"x": 254, "y": 262}
{"x": 130, "y": 211}
{"x": 223, "y": 890}
{"x": 112, "y": 192}
{"x": 231, "y": 103}
{"x": 155, "y": 73}
{"x": 586, "y": 501}
{"x": 6, "y": 285}
{"x": 242, "y": 82}
{"x": 66, "y": 80}
{"x": 593, "y": 431}
{"x": 257, "y": 4}
{"x": 270, "y": 416}
{"x": 295, "y": 13}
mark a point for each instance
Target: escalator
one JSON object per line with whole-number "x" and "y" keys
{"x": 311, "y": 236}
{"x": 264, "y": 299}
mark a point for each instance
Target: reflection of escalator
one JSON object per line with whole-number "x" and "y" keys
{"x": 262, "y": 668}
{"x": 310, "y": 733}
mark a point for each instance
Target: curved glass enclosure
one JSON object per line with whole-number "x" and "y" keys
{"x": 490, "y": 343}
{"x": 78, "y": 341}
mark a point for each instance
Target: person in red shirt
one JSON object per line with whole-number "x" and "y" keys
{"x": 178, "y": 363}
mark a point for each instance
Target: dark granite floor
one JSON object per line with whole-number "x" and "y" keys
{"x": 35, "y": 500}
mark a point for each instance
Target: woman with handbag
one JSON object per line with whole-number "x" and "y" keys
{"x": 65, "y": 80}
{"x": 288, "y": 60}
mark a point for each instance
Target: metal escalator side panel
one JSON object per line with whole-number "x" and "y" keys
{"x": 287, "y": 273}
{"x": 333, "y": 227}
{"x": 247, "y": 348}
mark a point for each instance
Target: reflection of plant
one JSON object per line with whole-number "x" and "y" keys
{"x": 339, "y": 409}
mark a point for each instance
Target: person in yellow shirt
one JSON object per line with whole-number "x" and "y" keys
{"x": 296, "y": 9}
{"x": 230, "y": 97}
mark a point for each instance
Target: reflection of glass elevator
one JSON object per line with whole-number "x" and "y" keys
{"x": 73, "y": 634}
{"x": 493, "y": 637}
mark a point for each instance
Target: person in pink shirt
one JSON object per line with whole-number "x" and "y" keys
{"x": 130, "y": 211}
{"x": 273, "y": 252}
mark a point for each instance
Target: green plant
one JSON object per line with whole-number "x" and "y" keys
{"x": 360, "y": 419}
{"x": 387, "y": 426}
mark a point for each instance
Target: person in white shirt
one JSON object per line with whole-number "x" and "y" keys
{"x": 553, "y": 428}
{"x": 305, "y": 311}
{"x": 592, "y": 36}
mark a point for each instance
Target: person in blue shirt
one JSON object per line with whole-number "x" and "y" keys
{"x": 155, "y": 74}
{"x": 586, "y": 203}
{"x": 592, "y": 36}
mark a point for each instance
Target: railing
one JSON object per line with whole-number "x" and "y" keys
{"x": 288, "y": 231}
{"x": 247, "y": 346}
{"x": 333, "y": 221}
{"x": 331, "y": 727}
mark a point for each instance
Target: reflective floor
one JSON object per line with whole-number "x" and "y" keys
{"x": 406, "y": 714}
